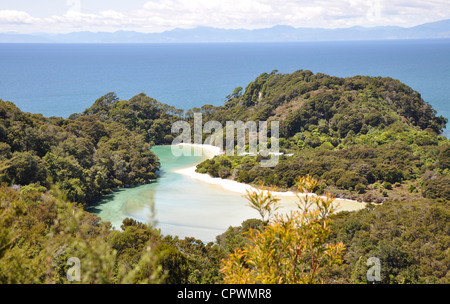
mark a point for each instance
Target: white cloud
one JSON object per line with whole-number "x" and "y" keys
{"x": 15, "y": 17}
{"x": 103, "y": 18}
{"x": 229, "y": 13}
{"x": 159, "y": 15}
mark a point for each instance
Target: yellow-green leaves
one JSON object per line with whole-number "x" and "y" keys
{"x": 263, "y": 201}
{"x": 307, "y": 184}
{"x": 290, "y": 249}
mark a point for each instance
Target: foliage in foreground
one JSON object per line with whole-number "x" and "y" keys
{"x": 40, "y": 233}
{"x": 290, "y": 248}
{"x": 411, "y": 240}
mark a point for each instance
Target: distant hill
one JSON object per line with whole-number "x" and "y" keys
{"x": 279, "y": 33}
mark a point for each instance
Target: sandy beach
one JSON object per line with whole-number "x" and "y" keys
{"x": 288, "y": 198}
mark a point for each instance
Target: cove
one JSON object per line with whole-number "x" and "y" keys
{"x": 183, "y": 206}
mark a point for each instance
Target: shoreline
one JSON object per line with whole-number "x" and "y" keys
{"x": 237, "y": 187}
{"x": 213, "y": 150}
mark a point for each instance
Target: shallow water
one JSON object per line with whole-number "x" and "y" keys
{"x": 183, "y": 206}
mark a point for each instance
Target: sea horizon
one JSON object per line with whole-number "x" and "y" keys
{"x": 62, "y": 79}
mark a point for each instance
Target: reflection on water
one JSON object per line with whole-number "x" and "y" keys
{"x": 183, "y": 206}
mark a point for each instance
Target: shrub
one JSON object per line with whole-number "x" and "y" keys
{"x": 387, "y": 185}
{"x": 224, "y": 173}
{"x": 289, "y": 249}
{"x": 360, "y": 188}
{"x": 326, "y": 146}
{"x": 202, "y": 170}
{"x": 412, "y": 188}
{"x": 437, "y": 188}
{"x": 243, "y": 177}
{"x": 350, "y": 180}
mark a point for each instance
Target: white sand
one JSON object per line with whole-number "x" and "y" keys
{"x": 210, "y": 149}
{"x": 234, "y": 186}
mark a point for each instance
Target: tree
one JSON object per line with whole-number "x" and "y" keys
{"x": 263, "y": 201}
{"x": 290, "y": 249}
{"x": 102, "y": 105}
{"x": 236, "y": 94}
{"x": 25, "y": 168}
{"x": 39, "y": 233}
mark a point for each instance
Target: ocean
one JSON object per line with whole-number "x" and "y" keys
{"x": 62, "y": 79}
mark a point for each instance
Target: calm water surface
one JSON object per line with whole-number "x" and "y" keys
{"x": 61, "y": 79}
{"x": 183, "y": 206}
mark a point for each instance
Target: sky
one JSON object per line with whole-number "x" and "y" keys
{"x": 149, "y": 16}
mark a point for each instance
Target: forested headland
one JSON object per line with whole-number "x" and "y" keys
{"x": 367, "y": 138}
{"x": 372, "y": 139}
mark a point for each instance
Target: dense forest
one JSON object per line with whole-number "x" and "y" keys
{"x": 85, "y": 158}
{"x": 368, "y": 138}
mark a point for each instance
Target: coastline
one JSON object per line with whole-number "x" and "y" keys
{"x": 287, "y": 201}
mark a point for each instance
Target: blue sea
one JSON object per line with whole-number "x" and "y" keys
{"x": 61, "y": 79}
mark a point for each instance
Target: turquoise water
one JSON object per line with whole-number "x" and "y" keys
{"x": 178, "y": 204}
{"x": 182, "y": 206}
{"x": 61, "y": 79}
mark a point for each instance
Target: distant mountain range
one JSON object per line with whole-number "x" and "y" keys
{"x": 279, "y": 33}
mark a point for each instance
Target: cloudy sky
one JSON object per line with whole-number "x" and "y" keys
{"x": 62, "y": 16}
